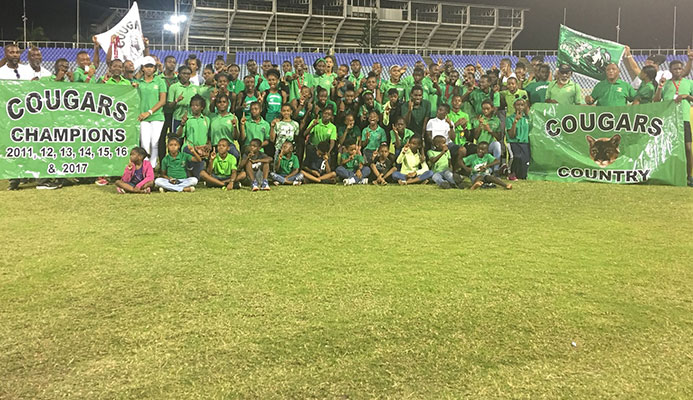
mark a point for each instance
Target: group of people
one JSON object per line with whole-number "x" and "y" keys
{"x": 286, "y": 125}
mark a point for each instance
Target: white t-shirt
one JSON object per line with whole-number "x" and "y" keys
{"x": 439, "y": 127}
{"x": 23, "y": 70}
{"x": 40, "y": 74}
{"x": 196, "y": 80}
{"x": 661, "y": 73}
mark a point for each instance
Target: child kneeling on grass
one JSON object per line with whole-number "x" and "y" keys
{"x": 221, "y": 169}
{"x": 316, "y": 166}
{"x": 173, "y": 175}
{"x": 138, "y": 176}
{"x": 479, "y": 166}
{"x": 351, "y": 168}
{"x": 382, "y": 166}
{"x": 256, "y": 164}
{"x": 286, "y": 167}
{"x": 413, "y": 161}
{"x": 439, "y": 160}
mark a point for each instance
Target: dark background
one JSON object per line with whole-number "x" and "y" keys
{"x": 644, "y": 23}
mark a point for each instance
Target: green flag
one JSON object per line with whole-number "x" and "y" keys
{"x": 57, "y": 130}
{"x": 587, "y": 55}
{"x": 630, "y": 144}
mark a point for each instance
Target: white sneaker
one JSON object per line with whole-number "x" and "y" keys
{"x": 364, "y": 181}
{"x": 349, "y": 181}
{"x": 296, "y": 183}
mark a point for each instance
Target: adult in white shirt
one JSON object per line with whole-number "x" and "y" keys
{"x": 11, "y": 68}
{"x": 35, "y": 68}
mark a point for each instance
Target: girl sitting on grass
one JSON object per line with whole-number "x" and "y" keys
{"x": 414, "y": 168}
{"x": 138, "y": 176}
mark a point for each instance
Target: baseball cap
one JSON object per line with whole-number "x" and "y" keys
{"x": 395, "y": 66}
{"x": 564, "y": 68}
{"x": 148, "y": 60}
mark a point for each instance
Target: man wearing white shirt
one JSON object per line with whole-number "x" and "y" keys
{"x": 35, "y": 69}
{"x": 12, "y": 69}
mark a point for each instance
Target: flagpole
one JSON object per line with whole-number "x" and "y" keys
{"x": 564, "y": 14}
{"x": 618, "y": 27}
{"x": 77, "y": 24}
{"x": 673, "y": 42}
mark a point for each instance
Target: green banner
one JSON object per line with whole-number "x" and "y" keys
{"x": 55, "y": 129}
{"x": 587, "y": 55}
{"x": 631, "y": 144}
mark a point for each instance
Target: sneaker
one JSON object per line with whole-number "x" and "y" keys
{"x": 237, "y": 185}
{"x": 512, "y": 177}
{"x": 47, "y": 186}
{"x": 265, "y": 186}
{"x": 488, "y": 185}
{"x": 101, "y": 181}
{"x": 297, "y": 183}
{"x": 162, "y": 190}
{"x": 13, "y": 186}
{"x": 118, "y": 190}
{"x": 255, "y": 187}
{"x": 349, "y": 181}
{"x": 364, "y": 181}
{"x": 445, "y": 185}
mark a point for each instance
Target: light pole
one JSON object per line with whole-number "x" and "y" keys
{"x": 24, "y": 21}
{"x": 174, "y": 26}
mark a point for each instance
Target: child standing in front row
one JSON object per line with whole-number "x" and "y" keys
{"x": 372, "y": 136}
{"x": 286, "y": 167}
{"x": 479, "y": 165}
{"x": 518, "y": 137}
{"x": 284, "y": 130}
{"x": 173, "y": 175}
{"x": 413, "y": 161}
{"x": 221, "y": 168}
{"x": 351, "y": 168}
{"x": 138, "y": 176}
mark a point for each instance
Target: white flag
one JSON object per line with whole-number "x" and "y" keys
{"x": 129, "y": 32}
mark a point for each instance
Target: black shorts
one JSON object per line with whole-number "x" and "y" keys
{"x": 686, "y": 131}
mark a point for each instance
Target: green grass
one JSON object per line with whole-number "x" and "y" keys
{"x": 334, "y": 292}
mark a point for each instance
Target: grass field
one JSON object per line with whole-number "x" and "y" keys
{"x": 357, "y": 292}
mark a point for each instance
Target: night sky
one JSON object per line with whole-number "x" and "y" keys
{"x": 644, "y": 23}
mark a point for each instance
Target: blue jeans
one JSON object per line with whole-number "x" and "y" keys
{"x": 402, "y": 177}
{"x": 175, "y": 187}
{"x": 346, "y": 174}
{"x": 282, "y": 179}
{"x": 194, "y": 167}
{"x": 443, "y": 176}
{"x": 495, "y": 149}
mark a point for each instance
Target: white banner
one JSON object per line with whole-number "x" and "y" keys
{"x": 130, "y": 45}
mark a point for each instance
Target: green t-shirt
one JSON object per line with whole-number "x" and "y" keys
{"x": 429, "y": 93}
{"x": 443, "y": 163}
{"x": 494, "y": 125}
{"x": 459, "y": 130}
{"x": 609, "y": 94}
{"x": 374, "y": 137}
{"x": 196, "y": 130}
{"x": 685, "y": 86}
{"x": 324, "y": 81}
{"x": 570, "y": 93}
{"x": 224, "y": 166}
{"x": 222, "y": 127}
{"x": 182, "y": 106}
{"x": 537, "y": 91}
{"x": 273, "y": 102}
{"x": 81, "y": 76}
{"x": 287, "y": 164}
{"x": 352, "y": 165}
{"x": 328, "y": 103}
{"x": 408, "y": 133}
{"x": 149, "y": 96}
{"x": 401, "y": 87}
{"x": 298, "y": 82}
{"x": 236, "y": 86}
{"x": 356, "y": 80}
{"x": 645, "y": 93}
{"x": 474, "y": 162}
{"x": 122, "y": 81}
{"x": 478, "y": 96}
{"x": 174, "y": 167}
{"x": 418, "y": 116}
{"x": 511, "y": 98}
{"x": 521, "y": 129}
{"x": 256, "y": 130}
{"x": 322, "y": 132}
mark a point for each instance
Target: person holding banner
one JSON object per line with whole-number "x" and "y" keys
{"x": 680, "y": 90}
{"x": 612, "y": 91}
{"x": 86, "y": 67}
{"x": 152, "y": 90}
{"x": 563, "y": 90}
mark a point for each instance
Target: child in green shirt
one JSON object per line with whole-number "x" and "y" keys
{"x": 479, "y": 166}
{"x": 351, "y": 168}
{"x": 286, "y": 167}
{"x": 245, "y": 98}
{"x": 372, "y": 136}
{"x": 399, "y": 135}
{"x": 488, "y": 129}
{"x": 518, "y": 137}
{"x": 256, "y": 165}
{"x": 439, "y": 161}
{"x": 272, "y": 98}
{"x": 194, "y": 131}
{"x": 222, "y": 170}
{"x": 255, "y": 128}
{"x": 173, "y": 169}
